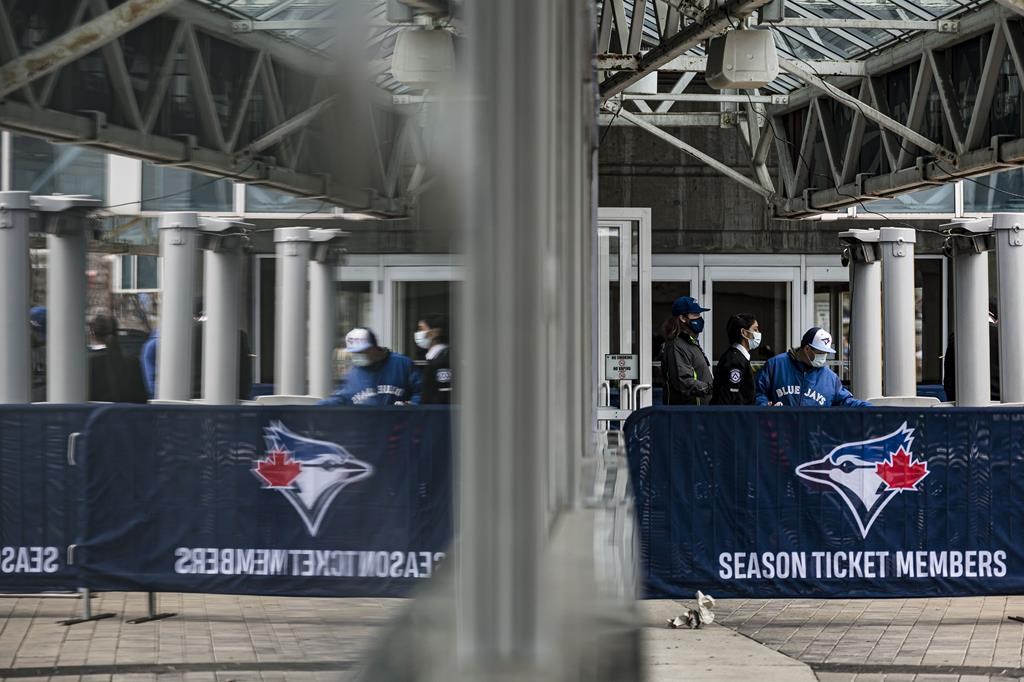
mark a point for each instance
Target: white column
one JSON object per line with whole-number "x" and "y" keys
{"x": 1009, "y": 238}
{"x": 899, "y": 333}
{"x": 293, "y": 246}
{"x": 179, "y": 254}
{"x": 66, "y": 352}
{"x": 322, "y": 311}
{"x": 221, "y": 298}
{"x": 15, "y": 347}
{"x": 970, "y": 276}
{"x": 861, "y": 251}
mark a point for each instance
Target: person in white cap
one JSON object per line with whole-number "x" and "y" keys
{"x": 378, "y": 376}
{"x": 801, "y": 377}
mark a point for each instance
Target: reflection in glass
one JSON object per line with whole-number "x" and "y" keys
{"x": 938, "y": 199}
{"x": 43, "y": 168}
{"x": 265, "y": 200}
{"x": 995, "y": 192}
{"x": 176, "y": 189}
{"x": 769, "y": 302}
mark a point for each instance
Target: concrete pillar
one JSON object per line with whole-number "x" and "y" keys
{"x": 221, "y": 298}
{"x": 1009, "y": 238}
{"x": 322, "y": 312}
{"x": 67, "y": 372}
{"x": 293, "y": 247}
{"x": 15, "y": 345}
{"x": 179, "y": 255}
{"x": 899, "y": 332}
{"x": 968, "y": 246}
{"x": 862, "y": 255}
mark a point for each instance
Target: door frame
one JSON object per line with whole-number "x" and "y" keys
{"x": 764, "y": 273}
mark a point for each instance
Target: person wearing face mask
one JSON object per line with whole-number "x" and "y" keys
{"x": 432, "y": 336}
{"x": 734, "y": 378}
{"x": 801, "y": 378}
{"x": 378, "y": 376}
{"x": 684, "y": 367}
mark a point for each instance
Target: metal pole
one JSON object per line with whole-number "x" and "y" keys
{"x": 66, "y": 357}
{"x": 179, "y": 240}
{"x": 899, "y": 332}
{"x": 322, "y": 313}
{"x": 866, "y": 329}
{"x": 973, "y": 367}
{"x": 221, "y": 299}
{"x": 292, "y": 272}
{"x": 1009, "y": 229}
{"x": 15, "y": 348}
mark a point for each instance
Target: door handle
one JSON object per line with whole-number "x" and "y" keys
{"x": 604, "y": 394}
{"x": 640, "y": 388}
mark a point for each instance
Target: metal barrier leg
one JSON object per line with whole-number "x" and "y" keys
{"x": 87, "y": 615}
{"x": 151, "y": 613}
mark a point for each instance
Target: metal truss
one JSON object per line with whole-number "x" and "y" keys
{"x": 283, "y": 142}
{"x": 913, "y": 160}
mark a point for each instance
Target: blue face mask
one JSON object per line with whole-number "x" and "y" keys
{"x": 697, "y": 325}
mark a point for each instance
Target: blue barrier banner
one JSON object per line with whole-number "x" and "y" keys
{"x": 783, "y": 502}
{"x": 295, "y": 501}
{"x": 38, "y": 496}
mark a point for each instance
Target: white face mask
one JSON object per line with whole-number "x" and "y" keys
{"x": 360, "y": 359}
{"x": 422, "y": 339}
{"x": 819, "y": 360}
{"x": 754, "y": 341}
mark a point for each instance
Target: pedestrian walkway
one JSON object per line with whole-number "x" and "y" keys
{"x": 214, "y": 638}
{"x": 896, "y": 640}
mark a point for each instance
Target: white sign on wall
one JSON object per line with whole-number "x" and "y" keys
{"x": 621, "y": 367}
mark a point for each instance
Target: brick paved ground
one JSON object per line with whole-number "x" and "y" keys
{"x": 215, "y": 638}
{"x": 893, "y": 640}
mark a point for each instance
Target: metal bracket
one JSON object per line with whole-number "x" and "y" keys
{"x": 995, "y": 145}
{"x": 948, "y": 26}
{"x": 6, "y": 219}
{"x": 72, "y": 442}
{"x": 241, "y": 26}
{"x": 1014, "y": 236}
{"x": 727, "y": 119}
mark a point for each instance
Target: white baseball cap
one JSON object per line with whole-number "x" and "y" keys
{"x": 819, "y": 339}
{"x": 360, "y": 339}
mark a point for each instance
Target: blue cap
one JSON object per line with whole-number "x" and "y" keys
{"x": 37, "y": 319}
{"x": 685, "y": 305}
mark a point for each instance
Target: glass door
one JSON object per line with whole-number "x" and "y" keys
{"x": 624, "y": 311}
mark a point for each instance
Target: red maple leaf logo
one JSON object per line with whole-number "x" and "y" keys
{"x": 900, "y": 473}
{"x": 278, "y": 469}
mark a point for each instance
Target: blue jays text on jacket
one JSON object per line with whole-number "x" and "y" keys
{"x": 393, "y": 379}
{"x": 786, "y": 380}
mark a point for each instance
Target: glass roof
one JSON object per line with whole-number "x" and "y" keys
{"x": 795, "y": 42}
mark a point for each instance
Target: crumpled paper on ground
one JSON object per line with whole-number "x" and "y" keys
{"x": 695, "y": 618}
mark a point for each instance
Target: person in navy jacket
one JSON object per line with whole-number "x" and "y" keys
{"x": 378, "y": 376}
{"x": 800, "y": 377}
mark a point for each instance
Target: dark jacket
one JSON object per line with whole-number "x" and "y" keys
{"x": 686, "y": 372}
{"x": 115, "y": 378}
{"x": 787, "y": 380}
{"x": 437, "y": 379}
{"x": 949, "y": 365}
{"x": 734, "y": 379}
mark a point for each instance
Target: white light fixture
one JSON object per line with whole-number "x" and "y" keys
{"x": 742, "y": 59}
{"x": 423, "y": 58}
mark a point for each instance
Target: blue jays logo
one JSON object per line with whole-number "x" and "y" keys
{"x": 869, "y": 474}
{"x": 309, "y": 473}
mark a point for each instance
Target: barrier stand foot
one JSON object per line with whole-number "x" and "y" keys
{"x": 1019, "y": 619}
{"x": 151, "y": 613}
{"x": 87, "y": 615}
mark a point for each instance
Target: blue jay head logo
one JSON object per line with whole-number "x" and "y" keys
{"x": 869, "y": 473}
{"x": 309, "y": 473}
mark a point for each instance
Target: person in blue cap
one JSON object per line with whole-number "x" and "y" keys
{"x": 378, "y": 376}
{"x": 800, "y": 377}
{"x": 684, "y": 367}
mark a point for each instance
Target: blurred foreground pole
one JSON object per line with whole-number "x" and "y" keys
{"x": 15, "y": 348}
{"x": 525, "y": 323}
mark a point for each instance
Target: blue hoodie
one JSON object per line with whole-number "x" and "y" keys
{"x": 786, "y": 380}
{"x": 393, "y": 379}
